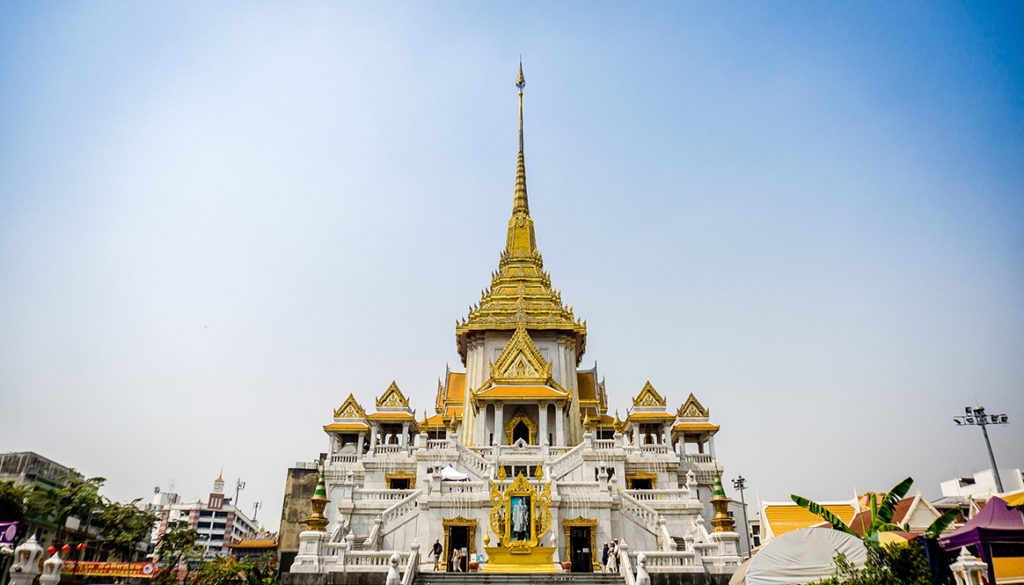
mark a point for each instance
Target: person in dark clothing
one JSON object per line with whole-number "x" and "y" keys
{"x": 436, "y": 550}
{"x": 604, "y": 558}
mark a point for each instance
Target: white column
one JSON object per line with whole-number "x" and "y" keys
{"x": 499, "y": 422}
{"x": 404, "y": 441}
{"x": 711, "y": 447}
{"x": 359, "y": 446}
{"x": 373, "y": 436}
{"x": 636, "y": 435}
{"x": 543, "y": 414}
{"x": 560, "y": 427}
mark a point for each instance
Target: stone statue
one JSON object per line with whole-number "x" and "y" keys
{"x": 394, "y": 578}
{"x": 642, "y": 577}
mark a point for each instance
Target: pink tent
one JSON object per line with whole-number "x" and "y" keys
{"x": 995, "y": 524}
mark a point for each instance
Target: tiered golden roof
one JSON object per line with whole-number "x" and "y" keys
{"x": 520, "y": 294}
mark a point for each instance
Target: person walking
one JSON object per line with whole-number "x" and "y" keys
{"x": 604, "y": 559}
{"x": 436, "y": 551}
{"x": 457, "y": 561}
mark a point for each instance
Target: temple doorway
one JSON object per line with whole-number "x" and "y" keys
{"x": 521, "y": 431}
{"x": 458, "y": 539}
{"x": 579, "y": 544}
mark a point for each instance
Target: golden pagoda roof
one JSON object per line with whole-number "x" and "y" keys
{"x": 350, "y": 427}
{"x": 520, "y": 294}
{"x": 695, "y": 427}
{"x": 391, "y": 416}
{"x": 522, "y": 392}
{"x": 783, "y": 518}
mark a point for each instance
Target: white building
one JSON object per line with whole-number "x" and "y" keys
{"x": 981, "y": 485}
{"x": 217, "y": 521}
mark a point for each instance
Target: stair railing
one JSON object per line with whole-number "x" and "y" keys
{"x": 413, "y": 565}
{"x": 625, "y": 566}
{"x": 566, "y": 463}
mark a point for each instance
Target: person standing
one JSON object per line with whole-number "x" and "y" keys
{"x": 457, "y": 561}
{"x": 604, "y": 559}
{"x": 436, "y": 551}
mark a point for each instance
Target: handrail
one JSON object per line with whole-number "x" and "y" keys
{"x": 625, "y": 566}
{"x": 640, "y": 513}
{"x": 378, "y": 494}
{"x": 413, "y": 565}
{"x": 399, "y": 511}
{"x": 659, "y": 494}
{"x": 556, "y": 466}
{"x": 476, "y": 464}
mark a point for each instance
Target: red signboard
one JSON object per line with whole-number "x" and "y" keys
{"x": 95, "y": 569}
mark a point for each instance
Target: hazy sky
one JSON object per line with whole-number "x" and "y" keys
{"x": 217, "y": 220}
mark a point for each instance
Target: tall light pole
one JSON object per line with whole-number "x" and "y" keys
{"x": 740, "y": 484}
{"x": 975, "y": 415}
{"x": 239, "y": 486}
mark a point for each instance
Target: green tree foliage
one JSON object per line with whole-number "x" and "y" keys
{"x": 177, "y": 544}
{"x": 896, "y": 564}
{"x": 77, "y": 498}
{"x": 881, "y": 515}
{"x": 123, "y": 527}
{"x": 231, "y": 571}
{"x": 20, "y": 503}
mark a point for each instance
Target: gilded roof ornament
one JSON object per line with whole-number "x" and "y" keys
{"x": 649, "y": 396}
{"x": 392, "y": 397}
{"x": 520, "y": 293}
{"x": 692, "y": 408}
{"x": 349, "y": 409}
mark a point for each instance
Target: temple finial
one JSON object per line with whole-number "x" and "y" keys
{"x": 521, "y": 202}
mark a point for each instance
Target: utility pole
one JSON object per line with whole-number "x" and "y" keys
{"x": 975, "y": 415}
{"x": 740, "y": 484}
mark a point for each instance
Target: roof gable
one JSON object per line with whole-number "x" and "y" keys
{"x": 520, "y": 361}
{"x": 648, "y": 396}
{"x": 349, "y": 409}
{"x": 692, "y": 408}
{"x": 393, "y": 397}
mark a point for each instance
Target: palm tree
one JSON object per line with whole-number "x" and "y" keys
{"x": 881, "y": 515}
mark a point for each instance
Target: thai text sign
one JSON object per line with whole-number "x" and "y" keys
{"x": 97, "y": 569}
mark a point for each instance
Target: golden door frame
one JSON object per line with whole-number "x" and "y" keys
{"x": 521, "y": 417}
{"x": 401, "y": 475}
{"x": 591, "y": 523}
{"x": 459, "y": 521}
{"x": 641, "y": 475}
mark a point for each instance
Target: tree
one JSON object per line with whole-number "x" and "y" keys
{"x": 20, "y": 503}
{"x": 177, "y": 544}
{"x": 124, "y": 526}
{"x": 77, "y": 498}
{"x": 228, "y": 571}
{"x": 881, "y": 515}
{"x": 896, "y": 564}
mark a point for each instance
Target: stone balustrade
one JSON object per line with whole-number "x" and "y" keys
{"x": 379, "y": 495}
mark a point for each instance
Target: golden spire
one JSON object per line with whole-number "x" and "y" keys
{"x": 522, "y": 205}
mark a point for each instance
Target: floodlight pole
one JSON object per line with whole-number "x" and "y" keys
{"x": 975, "y": 415}
{"x": 740, "y": 484}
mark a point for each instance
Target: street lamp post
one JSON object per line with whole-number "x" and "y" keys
{"x": 975, "y": 415}
{"x": 740, "y": 484}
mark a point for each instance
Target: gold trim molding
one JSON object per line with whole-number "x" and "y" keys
{"x": 589, "y": 523}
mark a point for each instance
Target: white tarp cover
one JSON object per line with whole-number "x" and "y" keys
{"x": 449, "y": 474}
{"x": 802, "y": 556}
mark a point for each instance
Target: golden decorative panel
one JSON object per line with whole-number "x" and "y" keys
{"x": 392, "y": 397}
{"x": 350, "y": 409}
{"x": 649, "y": 397}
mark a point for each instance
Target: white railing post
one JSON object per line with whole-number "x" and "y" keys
{"x": 625, "y": 567}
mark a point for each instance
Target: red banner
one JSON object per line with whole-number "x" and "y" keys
{"x": 95, "y": 569}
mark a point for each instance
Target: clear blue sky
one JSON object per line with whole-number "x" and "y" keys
{"x": 217, "y": 220}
